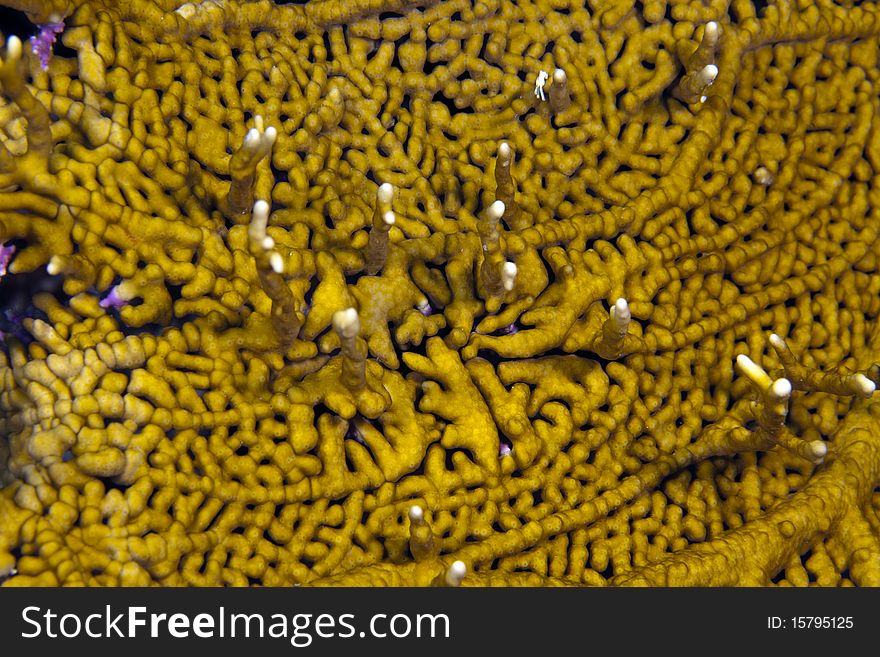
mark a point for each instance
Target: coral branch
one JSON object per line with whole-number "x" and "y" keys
{"x": 772, "y": 408}
{"x": 610, "y": 343}
{"x": 694, "y": 86}
{"x": 813, "y": 380}
{"x": 347, "y": 325}
{"x": 383, "y": 220}
{"x": 256, "y": 146}
{"x": 497, "y": 275}
{"x": 286, "y": 321}
{"x": 421, "y": 537}
{"x": 705, "y": 54}
{"x": 560, "y": 97}
{"x": 701, "y": 67}
{"x": 505, "y": 190}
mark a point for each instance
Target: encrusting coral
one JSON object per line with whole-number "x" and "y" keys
{"x": 435, "y": 293}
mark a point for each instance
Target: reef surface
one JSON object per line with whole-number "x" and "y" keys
{"x": 428, "y": 293}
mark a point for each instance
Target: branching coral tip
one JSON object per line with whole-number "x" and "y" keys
{"x": 496, "y": 210}
{"x": 508, "y": 275}
{"x": 504, "y": 153}
{"x": 753, "y": 371}
{"x": 780, "y": 389}
{"x": 259, "y": 221}
{"x": 346, "y": 322}
{"x": 866, "y": 386}
{"x": 55, "y": 266}
{"x": 711, "y": 32}
{"x": 560, "y": 98}
{"x": 385, "y": 193}
{"x": 819, "y": 449}
{"x": 276, "y": 262}
{"x": 455, "y": 573}
{"x": 13, "y": 48}
{"x": 707, "y": 75}
{"x": 621, "y": 315}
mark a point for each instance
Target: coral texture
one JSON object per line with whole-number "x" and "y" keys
{"x": 411, "y": 292}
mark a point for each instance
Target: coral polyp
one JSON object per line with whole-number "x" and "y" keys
{"x": 474, "y": 292}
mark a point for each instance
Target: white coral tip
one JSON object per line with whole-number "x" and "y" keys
{"x": 276, "y": 262}
{"x": 753, "y": 371}
{"x": 711, "y": 31}
{"x": 346, "y": 322}
{"x": 496, "y": 210}
{"x": 261, "y": 207}
{"x": 416, "y": 514}
{"x": 781, "y": 389}
{"x": 252, "y": 138}
{"x": 54, "y": 266}
{"x": 865, "y": 385}
{"x": 385, "y": 193}
{"x": 13, "y": 47}
{"x": 389, "y": 218}
{"x": 270, "y": 134}
{"x": 259, "y": 219}
{"x": 559, "y": 76}
{"x": 708, "y": 74}
{"x": 455, "y": 573}
{"x": 504, "y": 152}
{"x": 508, "y": 275}
{"x": 819, "y": 449}
{"x": 776, "y": 341}
{"x": 620, "y": 313}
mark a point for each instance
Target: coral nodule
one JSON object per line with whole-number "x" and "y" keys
{"x": 474, "y": 292}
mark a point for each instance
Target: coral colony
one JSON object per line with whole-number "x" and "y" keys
{"x": 440, "y": 293}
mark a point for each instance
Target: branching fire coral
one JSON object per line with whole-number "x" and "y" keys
{"x": 473, "y": 292}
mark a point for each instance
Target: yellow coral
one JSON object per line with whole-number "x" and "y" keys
{"x": 441, "y": 293}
